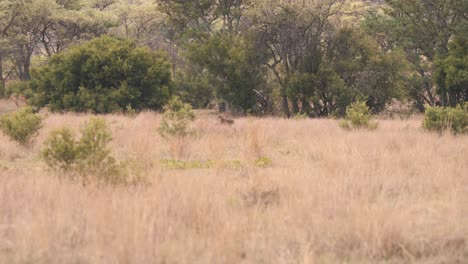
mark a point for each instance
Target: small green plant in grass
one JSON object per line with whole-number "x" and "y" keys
{"x": 176, "y": 119}
{"x": 179, "y": 164}
{"x": 447, "y": 119}
{"x": 21, "y": 126}
{"x": 263, "y": 162}
{"x": 90, "y": 156}
{"x": 300, "y": 116}
{"x": 358, "y": 115}
{"x": 233, "y": 164}
{"x": 130, "y": 111}
{"x": 61, "y": 150}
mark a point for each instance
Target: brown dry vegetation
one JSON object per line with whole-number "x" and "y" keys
{"x": 393, "y": 195}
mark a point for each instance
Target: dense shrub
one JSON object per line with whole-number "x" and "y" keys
{"x": 18, "y": 87}
{"x": 447, "y": 119}
{"x": 90, "y": 156}
{"x": 103, "y": 75}
{"x": 21, "y": 125}
{"x": 176, "y": 119}
{"x": 358, "y": 115}
{"x": 61, "y": 152}
{"x": 195, "y": 88}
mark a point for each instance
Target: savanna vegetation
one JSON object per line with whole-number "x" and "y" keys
{"x": 265, "y": 57}
{"x": 113, "y": 148}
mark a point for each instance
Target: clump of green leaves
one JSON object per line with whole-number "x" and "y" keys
{"x": 179, "y": 164}
{"x": 358, "y": 115}
{"x": 176, "y": 119}
{"x": 263, "y": 162}
{"x": 90, "y": 156}
{"x": 453, "y": 119}
{"x": 22, "y": 125}
{"x": 300, "y": 116}
{"x": 17, "y": 88}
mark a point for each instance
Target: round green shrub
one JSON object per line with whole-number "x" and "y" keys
{"x": 101, "y": 76}
{"x": 453, "y": 119}
{"x": 89, "y": 157}
{"x": 176, "y": 119}
{"x": 358, "y": 115}
{"x": 21, "y": 126}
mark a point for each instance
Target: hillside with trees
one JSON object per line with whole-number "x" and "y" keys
{"x": 265, "y": 57}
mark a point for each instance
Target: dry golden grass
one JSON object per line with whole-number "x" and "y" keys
{"x": 392, "y": 195}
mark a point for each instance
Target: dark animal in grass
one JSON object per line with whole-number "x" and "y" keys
{"x": 225, "y": 121}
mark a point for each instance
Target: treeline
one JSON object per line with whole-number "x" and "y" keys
{"x": 285, "y": 57}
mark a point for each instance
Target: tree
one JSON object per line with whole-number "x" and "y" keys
{"x": 451, "y": 72}
{"x": 368, "y": 73}
{"x": 237, "y": 66}
{"x": 423, "y": 29}
{"x": 218, "y": 45}
{"x": 319, "y": 67}
{"x": 103, "y": 75}
{"x": 42, "y": 28}
{"x": 195, "y": 19}
{"x": 195, "y": 86}
{"x": 10, "y": 13}
{"x": 292, "y": 34}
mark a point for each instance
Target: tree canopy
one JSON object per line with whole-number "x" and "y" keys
{"x": 312, "y": 57}
{"x": 103, "y": 75}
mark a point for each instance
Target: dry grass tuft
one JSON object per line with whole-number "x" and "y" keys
{"x": 393, "y": 195}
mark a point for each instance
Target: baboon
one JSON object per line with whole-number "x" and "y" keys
{"x": 19, "y": 100}
{"x": 226, "y": 121}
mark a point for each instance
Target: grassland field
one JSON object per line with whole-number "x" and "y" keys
{"x": 264, "y": 190}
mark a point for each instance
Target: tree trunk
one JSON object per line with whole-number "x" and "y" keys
{"x": 286, "y": 107}
{"x": 295, "y": 106}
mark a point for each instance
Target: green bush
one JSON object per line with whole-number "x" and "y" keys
{"x": 176, "y": 119}
{"x": 18, "y": 87}
{"x": 447, "y": 119}
{"x": 263, "y": 162}
{"x": 21, "y": 126}
{"x": 90, "y": 156}
{"x": 104, "y": 75}
{"x": 358, "y": 115}
{"x": 61, "y": 152}
{"x": 195, "y": 88}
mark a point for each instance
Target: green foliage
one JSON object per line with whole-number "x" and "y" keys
{"x": 263, "y": 162}
{"x": 404, "y": 26}
{"x": 358, "y": 115}
{"x": 451, "y": 72}
{"x": 232, "y": 164}
{"x": 90, "y": 156}
{"x": 61, "y": 23}
{"x": 453, "y": 119}
{"x": 61, "y": 151}
{"x": 21, "y": 125}
{"x": 176, "y": 119}
{"x": 18, "y": 87}
{"x": 196, "y": 88}
{"x": 104, "y": 75}
{"x": 178, "y": 164}
{"x": 92, "y": 149}
{"x": 300, "y": 116}
{"x": 237, "y": 65}
{"x": 2, "y": 89}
